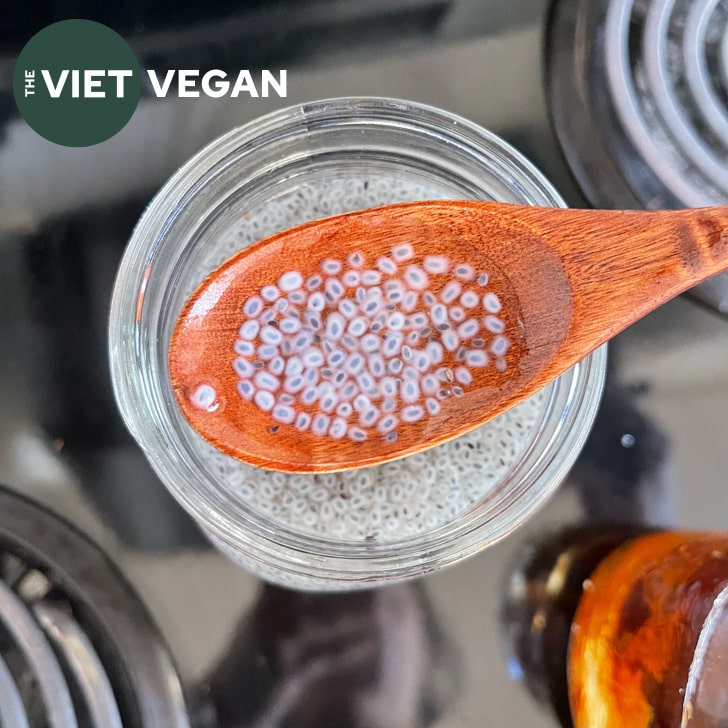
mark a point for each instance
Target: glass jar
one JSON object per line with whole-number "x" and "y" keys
{"x": 376, "y": 524}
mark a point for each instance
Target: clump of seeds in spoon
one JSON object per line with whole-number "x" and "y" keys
{"x": 361, "y": 347}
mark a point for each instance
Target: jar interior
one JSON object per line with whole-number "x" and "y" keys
{"x": 482, "y": 466}
{"x": 286, "y": 169}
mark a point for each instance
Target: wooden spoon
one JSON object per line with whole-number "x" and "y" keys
{"x": 368, "y": 336}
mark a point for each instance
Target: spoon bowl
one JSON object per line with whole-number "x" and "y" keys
{"x": 369, "y": 336}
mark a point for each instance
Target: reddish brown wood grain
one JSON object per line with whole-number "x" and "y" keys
{"x": 569, "y": 280}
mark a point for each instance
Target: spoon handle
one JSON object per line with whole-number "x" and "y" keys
{"x": 562, "y": 281}
{"x": 622, "y": 265}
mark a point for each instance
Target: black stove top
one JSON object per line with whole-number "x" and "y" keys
{"x": 425, "y": 654}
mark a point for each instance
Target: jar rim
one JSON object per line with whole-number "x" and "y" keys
{"x": 129, "y": 346}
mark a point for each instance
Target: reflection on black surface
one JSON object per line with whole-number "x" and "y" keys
{"x": 239, "y": 34}
{"x": 625, "y": 472}
{"x": 368, "y": 659}
{"x": 68, "y": 270}
{"x": 59, "y": 372}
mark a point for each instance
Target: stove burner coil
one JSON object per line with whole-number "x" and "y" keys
{"x": 77, "y": 648}
{"x": 638, "y": 94}
{"x": 661, "y": 65}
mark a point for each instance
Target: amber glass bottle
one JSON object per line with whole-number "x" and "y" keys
{"x": 623, "y": 627}
{"x": 649, "y": 640}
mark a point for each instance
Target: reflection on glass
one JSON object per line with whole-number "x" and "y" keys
{"x": 368, "y": 659}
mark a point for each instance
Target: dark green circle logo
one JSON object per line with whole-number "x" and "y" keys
{"x": 77, "y": 83}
